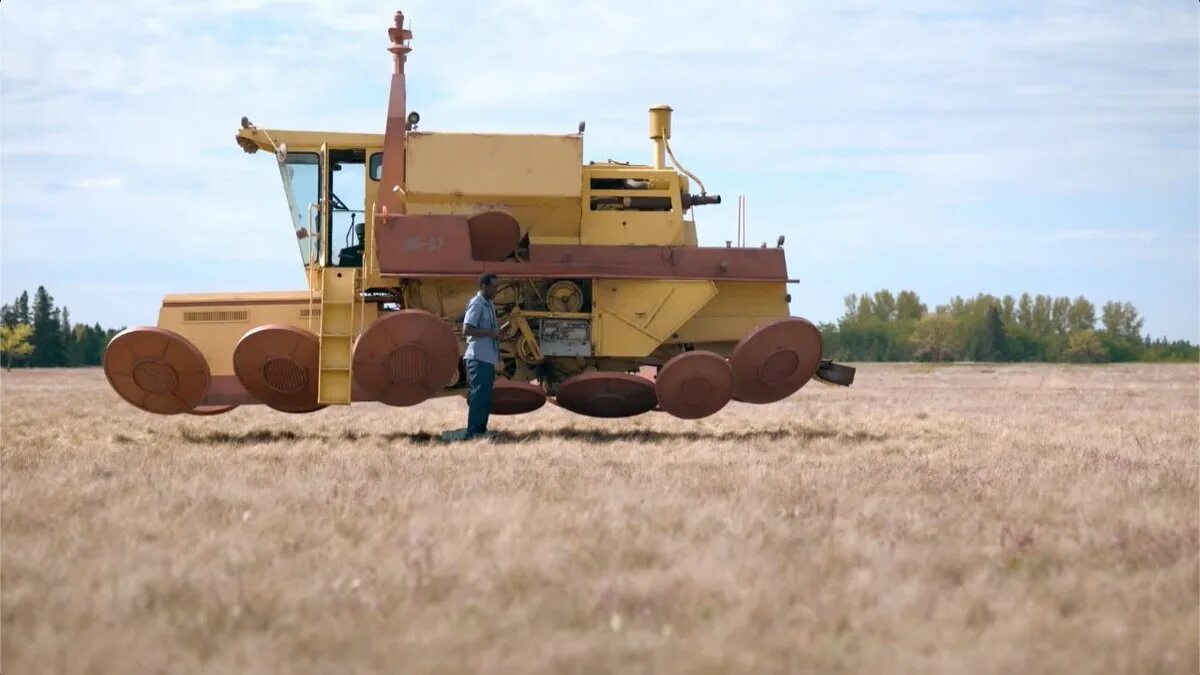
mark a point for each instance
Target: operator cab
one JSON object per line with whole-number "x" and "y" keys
{"x": 342, "y": 214}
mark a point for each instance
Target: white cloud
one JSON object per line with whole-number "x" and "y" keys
{"x": 942, "y": 104}
{"x": 100, "y": 183}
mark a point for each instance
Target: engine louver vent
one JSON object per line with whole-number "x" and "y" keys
{"x": 215, "y": 317}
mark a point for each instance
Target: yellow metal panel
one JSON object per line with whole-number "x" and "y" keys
{"x": 517, "y": 165}
{"x": 606, "y": 227}
{"x": 738, "y": 308}
{"x": 631, "y": 228}
{"x": 215, "y": 322}
{"x": 546, "y": 219}
{"x": 309, "y": 141}
{"x": 634, "y": 317}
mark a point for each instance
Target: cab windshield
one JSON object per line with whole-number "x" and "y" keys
{"x": 301, "y": 185}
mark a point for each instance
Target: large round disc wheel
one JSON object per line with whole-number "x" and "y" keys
{"x": 599, "y": 394}
{"x": 279, "y": 365}
{"x": 405, "y": 357}
{"x": 156, "y": 370}
{"x": 694, "y": 385}
{"x": 775, "y": 360}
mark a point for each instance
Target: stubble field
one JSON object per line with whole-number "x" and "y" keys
{"x": 927, "y": 520}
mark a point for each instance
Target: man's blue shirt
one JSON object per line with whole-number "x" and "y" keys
{"x": 481, "y": 313}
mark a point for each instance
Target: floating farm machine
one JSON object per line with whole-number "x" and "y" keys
{"x": 603, "y": 283}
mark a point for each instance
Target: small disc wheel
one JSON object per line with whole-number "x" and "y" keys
{"x": 279, "y": 365}
{"x": 564, "y": 296}
{"x": 210, "y": 410}
{"x": 513, "y": 397}
{"x": 156, "y": 370}
{"x": 405, "y": 357}
{"x": 775, "y": 360}
{"x": 599, "y": 394}
{"x": 694, "y": 385}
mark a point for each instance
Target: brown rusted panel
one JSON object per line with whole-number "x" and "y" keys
{"x": 211, "y": 410}
{"x": 436, "y": 245}
{"x": 396, "y": 129}
{"x": 227, "y": 390}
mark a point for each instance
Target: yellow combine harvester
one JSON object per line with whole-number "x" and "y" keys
{"x": 603, "y": 281}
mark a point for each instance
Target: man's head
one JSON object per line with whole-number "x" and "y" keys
{"x": 488, "y": 285}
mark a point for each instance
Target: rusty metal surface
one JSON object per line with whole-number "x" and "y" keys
{"x": 607, "y": 395}
{"x": 512, "y": 397}
{"x": 493, "y": 235}
{"x": 405, "y": 357}
{"x": 694, "y": 385}
{"x": 278, "y": 365}
{"x": 209, "y": 410}
{"x": 156, "y": 370}
{"x": 396, "y": 128}
{"x": 775, "y": 360}
{"x": 440, "y": 245}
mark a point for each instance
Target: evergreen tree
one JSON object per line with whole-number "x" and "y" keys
{"x": 47, "y": 331}
{"x": 8, "y": 316}
{"x": 22, "y": 309}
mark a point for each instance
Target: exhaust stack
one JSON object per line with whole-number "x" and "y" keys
{"x": 660, "y": 131}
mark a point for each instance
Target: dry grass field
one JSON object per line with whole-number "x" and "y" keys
{"x": 964, "y": 519}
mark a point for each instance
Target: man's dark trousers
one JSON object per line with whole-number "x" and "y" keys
{"x": 481, "y": 375}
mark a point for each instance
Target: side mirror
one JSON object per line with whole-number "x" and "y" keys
{"x": 281, "y": 152}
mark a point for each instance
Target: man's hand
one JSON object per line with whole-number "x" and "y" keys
{"x": 472, "y": 331}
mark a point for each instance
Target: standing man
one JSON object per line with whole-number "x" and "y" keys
{"x": 482, "y": 356}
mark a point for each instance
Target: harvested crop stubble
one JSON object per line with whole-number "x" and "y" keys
{"x": 1031, "y": 518}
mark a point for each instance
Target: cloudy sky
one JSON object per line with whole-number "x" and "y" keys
{"x": 949, "y": 148}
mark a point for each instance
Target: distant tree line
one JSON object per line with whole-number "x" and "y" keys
{"x": 886, "y": 327}
{"x": 42, "y": 335}
{"x": 875, "y": 327}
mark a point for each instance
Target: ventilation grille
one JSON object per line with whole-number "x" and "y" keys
{"x": 214, "y": 317}
{"x": 310, "y": 313}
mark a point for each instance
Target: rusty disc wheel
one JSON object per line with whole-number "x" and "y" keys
{"x": 209, "y": 410}
{"x": 775, "y": 360}
{"x": 405, "y": 357}
{"x": 494, "y": 235}
{"x": 694, "y": 385}
{"x": 511, "y": 397}
{"x": 156, "y": 370}
{"x": 607, "y": 395}
{"x": 278, "y": 365}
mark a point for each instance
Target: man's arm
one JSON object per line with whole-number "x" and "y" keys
{"x": 471, "y": 323}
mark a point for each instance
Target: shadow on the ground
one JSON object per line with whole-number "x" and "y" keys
{"x": 567, "y": 434}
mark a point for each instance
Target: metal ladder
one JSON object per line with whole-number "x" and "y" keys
{"x": 339, "y": 294}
